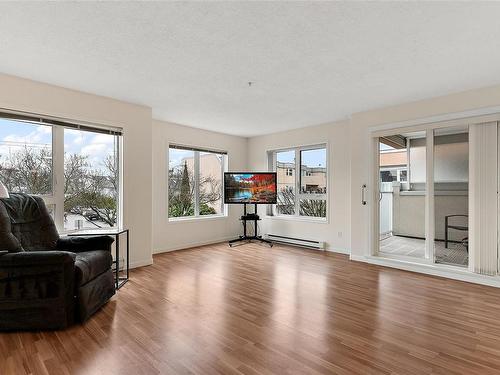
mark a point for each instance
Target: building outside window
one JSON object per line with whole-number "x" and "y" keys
{"x": 395, "y": 173}
{"x": 393, "y": 163}
{"x": 306, "y": 195}
{"x": 195, "y": 182}
{"x": 76, "y": 172}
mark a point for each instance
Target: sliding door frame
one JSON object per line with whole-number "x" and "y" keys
{"x": 429, "y": 128}
{"x": 429, "y": 197}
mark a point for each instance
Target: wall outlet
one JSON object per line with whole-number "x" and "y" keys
{"x": 339, "y": 234}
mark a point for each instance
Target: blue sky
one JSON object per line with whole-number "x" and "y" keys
{"x": 20, "y": 132}
{"x": 311, "y": 158}
{"x": 15, "y": 134}
{"x": 176, "y": 156}
{"x": 384, "y": 147}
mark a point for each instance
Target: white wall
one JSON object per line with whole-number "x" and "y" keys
{"x": 335, "y": 232}
{"x": 29, "y": 96}
{"x": 173, "y": 235}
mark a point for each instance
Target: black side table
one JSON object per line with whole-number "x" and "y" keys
{"x": 119, "y": 280}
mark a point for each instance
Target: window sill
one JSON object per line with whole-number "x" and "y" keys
{"x": 196, "y": 218}
{"x": 297, "y": 218}
{"x": 66, "y": 232}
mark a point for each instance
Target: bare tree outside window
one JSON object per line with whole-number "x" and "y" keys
{"x": 90, "y": 179}
{"x": 186, "y": 186}
{"x": 26, "y": 157}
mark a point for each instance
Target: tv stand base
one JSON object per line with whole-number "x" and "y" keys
{"x": 250, "y": 239}
{"x": 255, "y": 237}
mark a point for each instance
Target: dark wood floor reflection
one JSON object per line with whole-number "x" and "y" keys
{"x": 256, "y": 310}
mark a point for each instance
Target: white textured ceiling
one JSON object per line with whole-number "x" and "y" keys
{"x": 310, "y": 63}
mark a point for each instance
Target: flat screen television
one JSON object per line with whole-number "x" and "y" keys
{"x": 251, "y": 187}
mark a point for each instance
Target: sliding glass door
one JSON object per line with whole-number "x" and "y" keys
{"x": 422, "y": 195}
{"x": 451, "y": 196}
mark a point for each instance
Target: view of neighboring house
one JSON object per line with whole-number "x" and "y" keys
{"x": 312, "y": 180}
{"x": 393, "y": 165}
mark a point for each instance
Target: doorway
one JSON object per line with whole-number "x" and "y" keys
{"x": 423, "y": 188}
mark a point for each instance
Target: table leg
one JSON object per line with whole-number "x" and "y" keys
{"x": 117, "y": 256}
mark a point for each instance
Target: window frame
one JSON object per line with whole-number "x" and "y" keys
{"x": 56, "y": 198}
{"x": 272, "y": 166}
{"x": 196, "y": 175}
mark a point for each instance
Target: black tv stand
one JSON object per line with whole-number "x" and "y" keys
{"x": 246, "y": 218}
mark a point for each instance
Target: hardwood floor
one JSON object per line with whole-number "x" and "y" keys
{"x": 256, "y": 310}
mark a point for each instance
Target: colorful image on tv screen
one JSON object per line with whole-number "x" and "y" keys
{"x": 250, "y": 188}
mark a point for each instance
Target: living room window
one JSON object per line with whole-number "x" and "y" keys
{"x": 91, "y": 179}
{"x": 195, "y": 178}
{"x": 303, "y": 193}
{"x": 74, "y": 168}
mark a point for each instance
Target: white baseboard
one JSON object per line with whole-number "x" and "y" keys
{"x": 141, "y": 263}
{"x": 194, "y": 244}
{"x": 431, "y": 269}
{"x": 224, "y": 239}
{"x": 339, "y": 251}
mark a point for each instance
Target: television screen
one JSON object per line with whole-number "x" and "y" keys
{"x": 257, "y": 187}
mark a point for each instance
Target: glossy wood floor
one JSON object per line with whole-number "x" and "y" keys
{"x": 255, "y": 310}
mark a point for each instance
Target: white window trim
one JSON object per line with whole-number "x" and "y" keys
{"x": 59, "y": 181}
{"x": 196, "y": 167}
{"x": 272, "y": 212}
{"x": 185, "y": 219}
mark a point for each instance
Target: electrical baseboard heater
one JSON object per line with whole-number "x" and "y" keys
{"x": 297, "y": 242}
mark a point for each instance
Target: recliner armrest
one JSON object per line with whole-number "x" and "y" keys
{"x": 78, "y": 244}
{"x": 36, "y": 258}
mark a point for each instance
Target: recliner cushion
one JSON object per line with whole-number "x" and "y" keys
{"x": 90, "y": 264}
{"x": 30, "y": 222}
